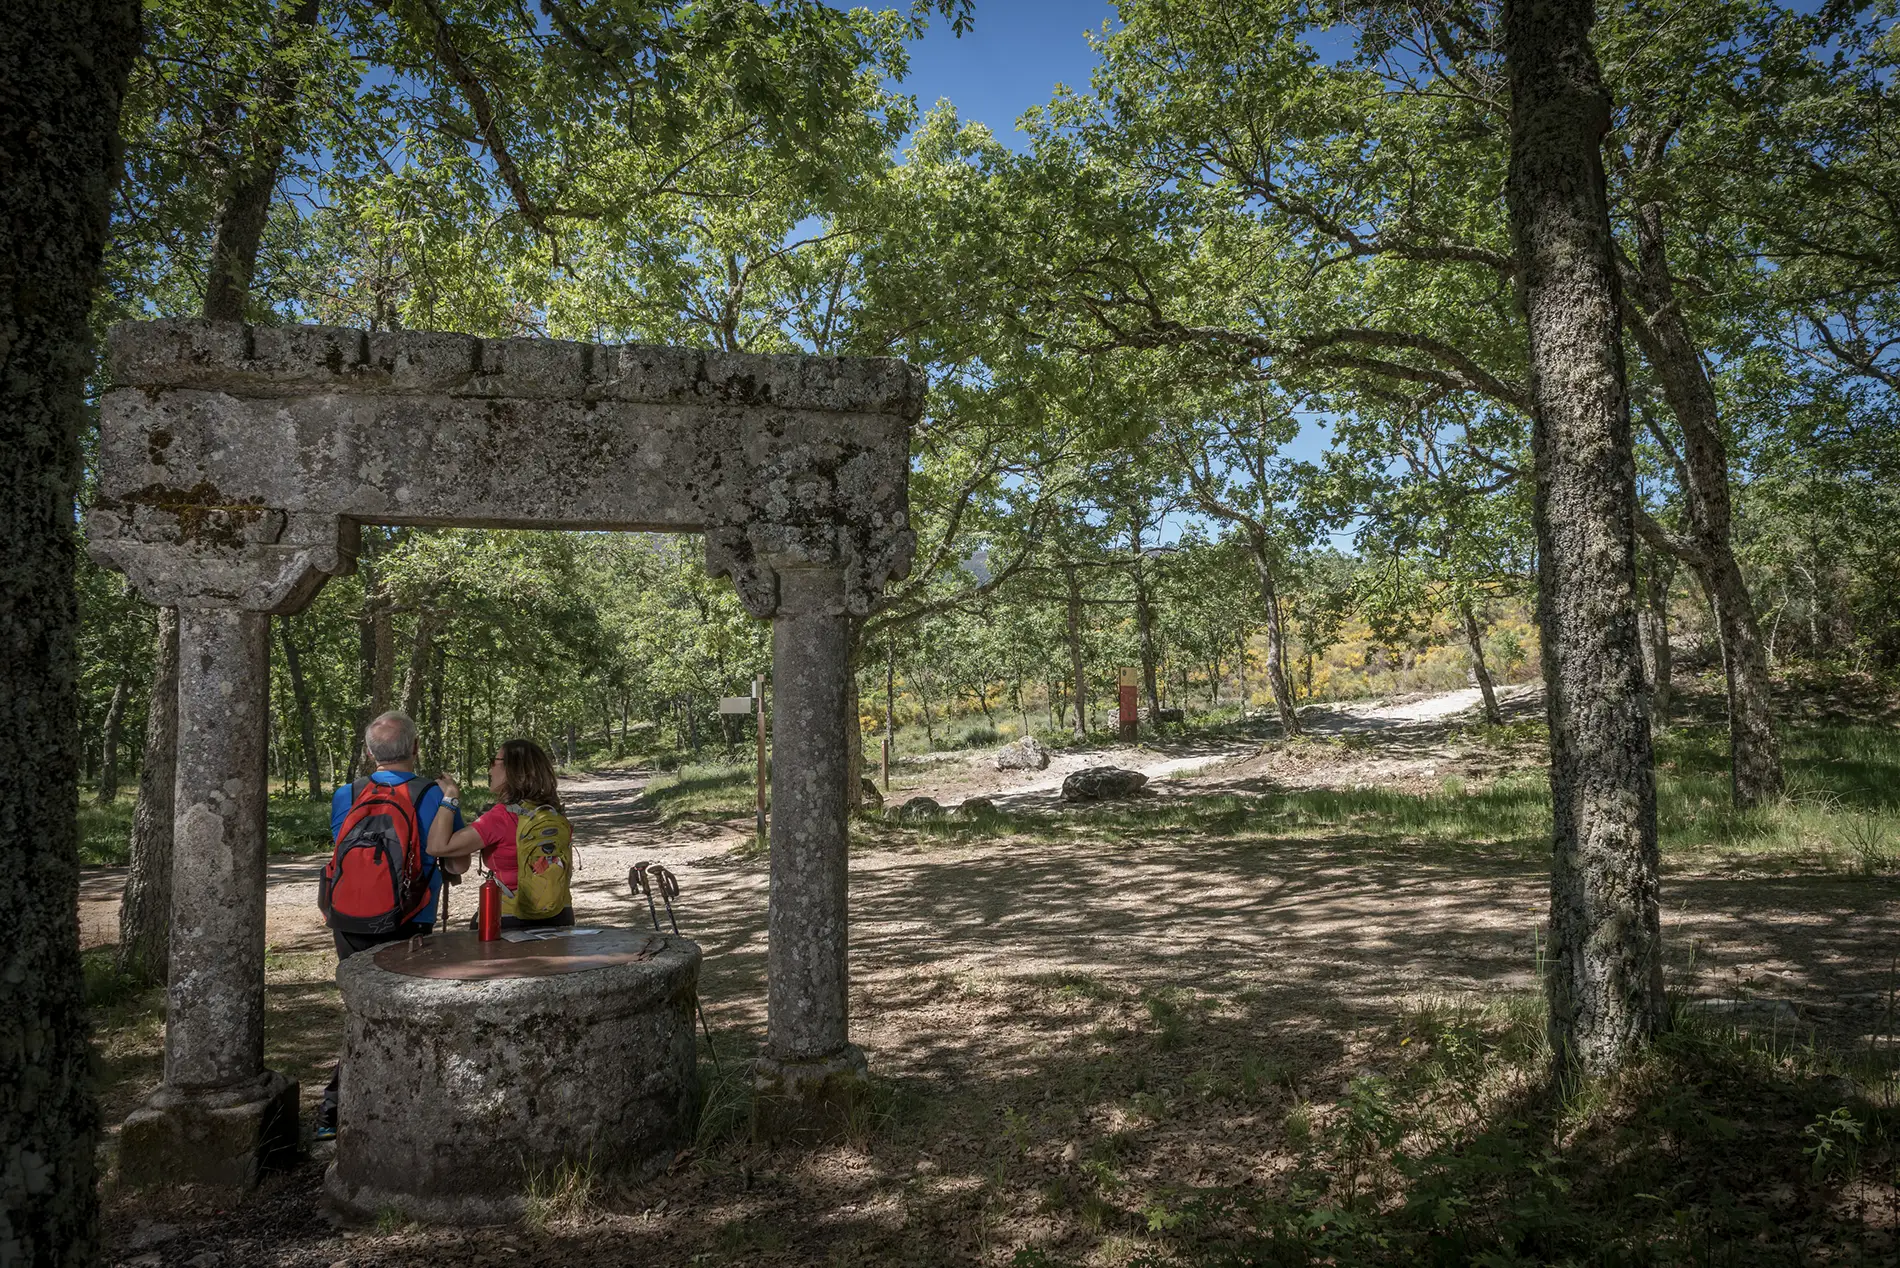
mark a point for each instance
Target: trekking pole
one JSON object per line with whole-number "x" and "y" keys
{"x": 669, "y": 887}
{"x": 637, "y": 882}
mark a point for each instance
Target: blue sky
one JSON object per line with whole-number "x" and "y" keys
{"x": 1017, "y": 53}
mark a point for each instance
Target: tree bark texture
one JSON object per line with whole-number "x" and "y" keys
{"x": 1474, "y": 640}
{"x": 1604, "y": 976}
{"x": 306, "y": 715}
{"x": 145, "y": 906}
{"x": 109, "y": 759}
{"x": 1754, "y": 747}
{"x": 63, "y": 67}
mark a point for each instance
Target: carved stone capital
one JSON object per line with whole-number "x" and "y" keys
{"x": 195, "y": 548}
{"x": 729, "y": 553}
{"x": 755, "y": 555}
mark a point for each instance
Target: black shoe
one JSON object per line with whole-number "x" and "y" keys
{"x": 326, "y": 1124}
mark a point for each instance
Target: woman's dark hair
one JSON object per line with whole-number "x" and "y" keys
{"x": 528, "y": 774}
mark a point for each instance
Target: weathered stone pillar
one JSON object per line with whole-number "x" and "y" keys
{"x": 220, "y": 1116}
{"x": 214, "y": 1017}
{"x": 810, "y": 1072}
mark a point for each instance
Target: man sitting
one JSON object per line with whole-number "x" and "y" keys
{"x": 392, "y": 745}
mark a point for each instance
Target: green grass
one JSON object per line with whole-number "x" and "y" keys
{"x": 718, "y": 790}
{"x": 294, "y": 825}
{"x": 1841, "y": 814}
{"x": 1716, "y": 1147}
{"x": 1841, "y": 811}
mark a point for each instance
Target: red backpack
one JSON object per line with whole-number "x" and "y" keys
{"x": 374, "y": 882}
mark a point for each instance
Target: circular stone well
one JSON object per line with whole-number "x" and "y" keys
{"x": 473, "y": 1070}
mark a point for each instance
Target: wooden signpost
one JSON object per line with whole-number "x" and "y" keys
{"x": 753, "y": 704}
{"x": 1130, "y": 713}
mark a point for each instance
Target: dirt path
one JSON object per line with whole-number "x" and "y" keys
{"x": 1306, "y": 922}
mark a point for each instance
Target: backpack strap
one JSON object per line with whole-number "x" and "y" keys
{"x": 418, "y": 788}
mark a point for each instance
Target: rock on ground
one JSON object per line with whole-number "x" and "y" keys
{"x": 1099, "y": 783}
{"x": 1027, "y": 753}
{"x": 915, "y": 809}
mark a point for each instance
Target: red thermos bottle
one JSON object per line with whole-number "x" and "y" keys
{"x": 488, "y": 915}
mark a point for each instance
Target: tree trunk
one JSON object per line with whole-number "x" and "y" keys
{"x": 1240, "y": 670}
{"x": 853, "y": 746}
{"x": 382, "y": 632}
{"x": 890, "y": 700}
{"x": 306, "y": 715}
{"x": 1078, "y": 674}
{"x": 109, "y": 760}
{"x": 416, "y": 676}
{"x": 1754, "y": 747}
{"x": 1144, "y": 631}
{"x": 1654, "y": 627}
{"x": 1479, "y": 669}
{"x": 244, "y": 202}
{"x": 1605, "y": 972}
{"x": 437, "y": 754}
{"x": 1276, "y": 635}
{"x": 366, "y": 655}
{"x": 145, "y": 907}
{"x": 63, "y": 67}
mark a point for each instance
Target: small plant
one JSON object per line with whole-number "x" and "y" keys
{"x": 1016, "y": 1129}
{"x": 557, "y": 1194}
{"x": 1834, "y": 1140}
{"x": 1299, "y": 1125}
{"x": 725, "y": 1108}
{"x": 1170, "y": 1021}
{"x": 1867, "y": 842}
{"x": 1259, "y": 1072}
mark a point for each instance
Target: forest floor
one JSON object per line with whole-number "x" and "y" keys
{"x": 1280, "y": 1010}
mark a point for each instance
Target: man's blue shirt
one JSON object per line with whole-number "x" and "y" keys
{"x": 342, "y": 798}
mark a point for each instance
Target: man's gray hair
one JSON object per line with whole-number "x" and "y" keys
{"x": 391, "y": 737}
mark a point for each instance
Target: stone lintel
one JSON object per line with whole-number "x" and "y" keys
{"x": 225, "y": 1137}
{"x": 305, "y": 360}
{"x": 238, "y": 459}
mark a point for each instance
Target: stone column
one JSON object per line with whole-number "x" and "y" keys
{"x": 810, "y": 1073}
{"x": 220, "y": 1116}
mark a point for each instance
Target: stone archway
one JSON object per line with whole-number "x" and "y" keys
{"x": 236, "y": 465}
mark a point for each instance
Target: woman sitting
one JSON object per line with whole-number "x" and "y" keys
{"x": 522, "y": 779}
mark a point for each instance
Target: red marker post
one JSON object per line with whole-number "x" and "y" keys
{"x": 1130, "y": 713}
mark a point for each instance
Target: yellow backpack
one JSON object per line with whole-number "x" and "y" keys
{"x": 544, "y": 863}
